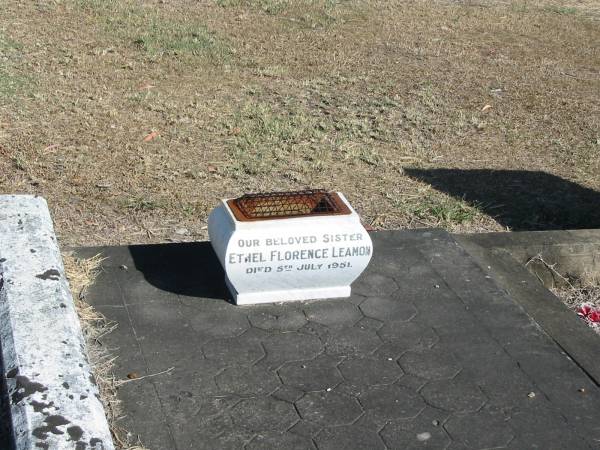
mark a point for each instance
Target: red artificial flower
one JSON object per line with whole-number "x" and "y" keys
{"x": 589, "y": 312}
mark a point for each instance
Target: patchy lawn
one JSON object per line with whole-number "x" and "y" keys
{"x": 133, "y": 117}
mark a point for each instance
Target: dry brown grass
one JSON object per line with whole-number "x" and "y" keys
{"x": 574, "y": 290}
{"x": 81, "y": 273}
{"x": 579, "y": 291}
{"x": 248, "y": 95}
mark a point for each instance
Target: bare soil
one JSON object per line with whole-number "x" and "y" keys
{"x": 133, "y": 117}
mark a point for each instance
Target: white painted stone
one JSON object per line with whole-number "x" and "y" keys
{"x": 298, "y": 258}
{"x": 53, "y": 397}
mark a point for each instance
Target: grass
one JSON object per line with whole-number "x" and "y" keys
{"x": 142, "y": 204}
{"x": 444, "y": 213}
{"x": 561, "y": 9}
{"x": 304, "y": 138}
{"x": 19, "y": 162}
{"x": 176, "y": 39}
{"x": 268, "y": 6}
{"x": 311, "y": 14}
{"x": 249, "y": 95}
{"x": 429, "y": 209}
{"x": 11, "y": 82}
{"x": 264, "y": 140}
{"x": 157, "y": 35}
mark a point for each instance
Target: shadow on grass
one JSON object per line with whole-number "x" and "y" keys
{"x": 519, "y": 199}
{"x": 189, "y": 268}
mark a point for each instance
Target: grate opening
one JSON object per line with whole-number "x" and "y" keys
{"x": 281, "y": 205}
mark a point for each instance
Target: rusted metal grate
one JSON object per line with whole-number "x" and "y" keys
{"x": 281, "y": 205}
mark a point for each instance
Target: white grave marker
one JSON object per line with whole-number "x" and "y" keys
{"x": 289, "y": 246}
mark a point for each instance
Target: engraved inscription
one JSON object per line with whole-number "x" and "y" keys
{"x": 304, "y": 253}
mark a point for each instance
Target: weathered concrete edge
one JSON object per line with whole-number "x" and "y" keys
{"x": 54, "y": 400}
{"x": 564, "y": 327}
{"x": 575, "y": 252}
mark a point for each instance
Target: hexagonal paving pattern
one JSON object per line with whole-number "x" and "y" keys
{"x": 391, "y": 402}
{"x": 288, "y": 393}
{"x": 457, "y": 395}
{"x": 408, "y": 336}
{"x": 227, "y": 441}
{"x": 433, "y": 364}
{"x": 481, "y": 430}
{"x": 277, "y": 317}
{"x": 217, "y": 424}
{"x": 247, "y": 381}
{"x": 220, "y": 323}
{"x": 272, "y": 440}
{"x": 412, "y": 360}
{"x": 388, "y": 309}
{"x": 347, "y": 437}
{"x": 311, "y": 375}
{"x": 234, "y": 351}
{"x": 352, "y": 341}
{"x": 264, "y": 414}
{"x": 189, "y": 404}
{"x": 334, "y": 313}
{"x": 375, "y": 284}
{"x": 368, "y": 323}
{"x": 291, "y": 346}
{"x": 305, "y": 428}
{"x": 329, "y": 408}
{"x": 370, "y": 370}
{"x": 422, "y": 432}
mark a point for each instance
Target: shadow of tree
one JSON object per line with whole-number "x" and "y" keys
{"x": 519, "y": 199}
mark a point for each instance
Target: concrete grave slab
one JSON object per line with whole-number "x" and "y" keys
{"x": 429, "y": 343}
{"x": 53, "y": 398}
{"x": 504, "y": 255}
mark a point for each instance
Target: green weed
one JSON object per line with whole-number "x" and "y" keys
{"x": 444, "y": 212}
{"x": 11, "y": 82}
{"x": 268, "y": 6}
{"x": 96, "y": 5}
{"x": 303, "y": 13}
{"x": 156, "y": 35}
{"x": 142, "y": 204}
{"x": 163, "y": 37}
{"x": 19, "y": 162}
{"x": 264, "y": 140}
{"x": 520, "y": 7}
{"x": 563, "y": 10}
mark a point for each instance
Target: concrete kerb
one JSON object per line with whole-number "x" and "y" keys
{"x": 505, "y": 255}
{"x": 54, "y": 401}
{"x": 573, "y": 252}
